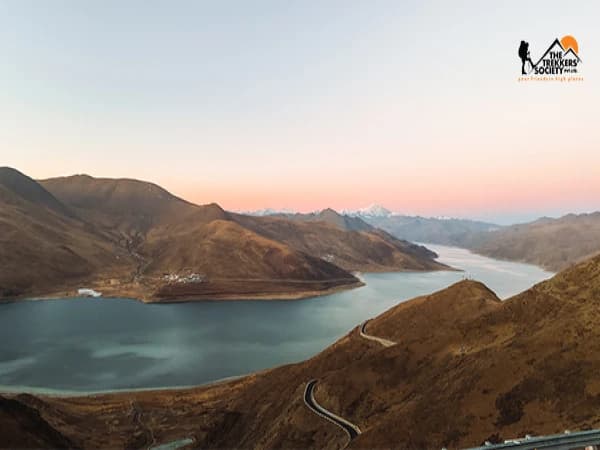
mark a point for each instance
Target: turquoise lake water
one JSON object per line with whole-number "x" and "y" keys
{"x": 90, "y": 345}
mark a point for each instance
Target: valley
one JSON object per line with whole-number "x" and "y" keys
{"x": 191, "y": 256}
{"x": 552, "y": 243}
{"x": 465, "y": 367}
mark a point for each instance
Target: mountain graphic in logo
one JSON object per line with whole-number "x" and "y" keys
{"x": 561, "y": 58}
{"x": 572, "y": 54}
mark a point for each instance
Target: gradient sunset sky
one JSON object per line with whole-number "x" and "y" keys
{"x": 307, "y": 104}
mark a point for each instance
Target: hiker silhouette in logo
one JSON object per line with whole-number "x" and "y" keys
{"x": 524, "y": 55}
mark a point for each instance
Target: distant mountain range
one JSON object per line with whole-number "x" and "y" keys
{"x": 132, "y": 238}
{"x": 373, "y": 210}
{"x": 453, "y": 369}
{"x": 267, "y": 212}
{"x": 554, "y": 244}
{"x": 434, "y": 230}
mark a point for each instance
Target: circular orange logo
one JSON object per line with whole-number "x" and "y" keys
{"x": 569, "y": 42}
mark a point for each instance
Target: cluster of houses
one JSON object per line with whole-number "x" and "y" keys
{"x": 188, "y": 278}
{"x": 328, "y": 257}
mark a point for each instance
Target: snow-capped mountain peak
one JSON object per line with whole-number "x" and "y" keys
{"x": 370, "y": 211}
{"x": 268, "y": 212}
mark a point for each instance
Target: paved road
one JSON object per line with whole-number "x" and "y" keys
{"x": 566, "y": 441}
{"x": 382, "y": 341}
{"x": 309, "y": 399}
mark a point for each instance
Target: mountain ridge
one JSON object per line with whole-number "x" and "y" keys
{"x": 553, "y": 244}
{"x": 127, "y": 237}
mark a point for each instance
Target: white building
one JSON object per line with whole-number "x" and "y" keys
{"x": 88, "y": 292}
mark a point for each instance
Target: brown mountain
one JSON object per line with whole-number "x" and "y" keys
{"x": 45, "y": 247}
{"x": 15, "y": 183}
{"x": 130, "y": 206}
{"x": 232, "y": 257}
{"x": 331, "y": 217}
{"x": 133, "y": 238}
{"x": 347, "y": 242}
{"x": 554, "y": 244}
{"x": 465, "y": 368}
{"x": 121, "y": 236}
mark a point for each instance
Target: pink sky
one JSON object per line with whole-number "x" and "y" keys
{"x": 304, "y": 106}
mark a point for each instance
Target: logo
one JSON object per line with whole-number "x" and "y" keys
{"x": 560, "y": 62}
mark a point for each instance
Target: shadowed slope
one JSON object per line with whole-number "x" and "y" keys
{"x": 22, "y": 426}
{"x": 29, "y": 190}
{"x": 45, "y": 247}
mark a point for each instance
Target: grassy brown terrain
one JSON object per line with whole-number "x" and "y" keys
{"x": 44, "y": 245}
{"x": 466, "y": 368}
{"x": 554, "y": 244}
{"x": 348, "y": 242}
{"x": 123, "y": 237}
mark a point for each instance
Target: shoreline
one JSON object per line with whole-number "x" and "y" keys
{"x": 524, "y": 261}
{"x": 150, "y": 290}
{"x": 16, "y": 390}
{"x": 65, "y": 393}
{"x": 141, "y": 295}
{"x": 288, "y": 296}
{"x": 127, "y": 295}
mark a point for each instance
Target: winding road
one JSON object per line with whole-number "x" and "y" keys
{"x": 309, "y": 399}
{"x": 382, "y": 341}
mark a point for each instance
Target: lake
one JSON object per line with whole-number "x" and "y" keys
{"x": 92, "y": 345}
